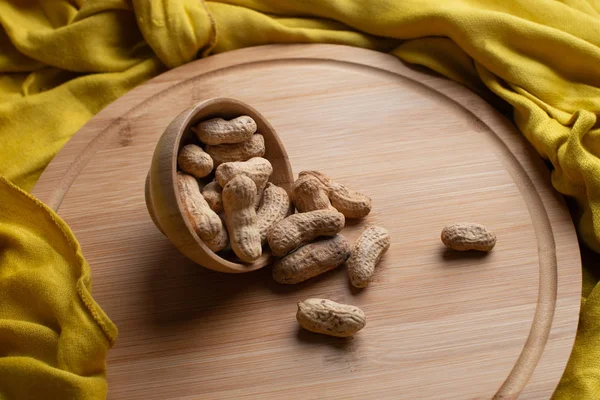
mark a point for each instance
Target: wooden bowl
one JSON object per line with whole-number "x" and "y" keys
{"x": 162, "y": 197}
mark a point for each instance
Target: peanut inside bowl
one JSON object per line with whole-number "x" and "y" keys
{"x": 164, "y": 199}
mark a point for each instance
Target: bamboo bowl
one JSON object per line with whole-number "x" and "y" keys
{"x": 162, "y": 197}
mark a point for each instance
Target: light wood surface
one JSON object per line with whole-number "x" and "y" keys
{"x": 161, "y": 192}
{"x": 440, "y": 325}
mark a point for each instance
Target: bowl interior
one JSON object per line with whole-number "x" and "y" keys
{"x": 228, "y": 109}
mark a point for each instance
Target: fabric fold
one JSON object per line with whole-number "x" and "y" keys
{"x": 53, "y": 336}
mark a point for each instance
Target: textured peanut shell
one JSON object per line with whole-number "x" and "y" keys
{"x": 195, "y": 161}
{"x": 238, "y": 201}
{"x": 309, "y": 194}
{"x": 219, "y": 131}
{"x": 206, "y": 222}
{"x": 258, "y": 169}
{"x": 351, "y": 204}
{"x": 311, "y": 260}
{"x": 222, "y": 153}
{"x": 468, "y": 236}
{"x": 298, "y": 229}
{"x": 219, "y": 242}
{"x": 212, "y": 193}
{"x": 275, "y": 207}
{"x": 373, "y": 243}
{"x": 321, "y": 177}
{"x": 330, "y": 318}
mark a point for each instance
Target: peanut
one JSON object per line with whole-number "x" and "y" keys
{"x": 366, "y": 253}
{"x": 254, "y": 147}
{"x": 324, "y": 179}
{"x": 206, "y": 222}
{"x": 212, "y": 194}
{"x": 257, "y": 168}
{"x": 219, "y": 242}
{"x": 309, "y": 194}
{"x": 351, "y": 204}
{"x": 193, "y": 160}
{"x": 298, "y": 229}
{"x": 468, "y": 236}
{"x": 219, "y": 131}
{"x": 238, "y": 201}
{"x": 311, "y": 260}
{"x": 330, "y": 318}
{"x": 275, "y": 207}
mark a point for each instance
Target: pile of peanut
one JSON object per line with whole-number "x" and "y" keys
{"x": 225, "y": 190}
{"x": 226, "y": 194}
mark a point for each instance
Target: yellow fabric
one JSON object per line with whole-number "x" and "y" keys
{"x": 53, "y": 336}
{"x": 61, "y": 61}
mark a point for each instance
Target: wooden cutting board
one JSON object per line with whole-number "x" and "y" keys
{"x": 428, "y": 151}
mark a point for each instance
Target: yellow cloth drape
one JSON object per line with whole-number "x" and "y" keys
{"x": 53, "y": 336}
{"x": 61, "y": 61}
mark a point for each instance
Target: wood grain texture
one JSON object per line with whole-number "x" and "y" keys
{"x": 440, "y": 325}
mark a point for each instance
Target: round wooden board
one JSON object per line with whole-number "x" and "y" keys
{"x": 429, "y": 152}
